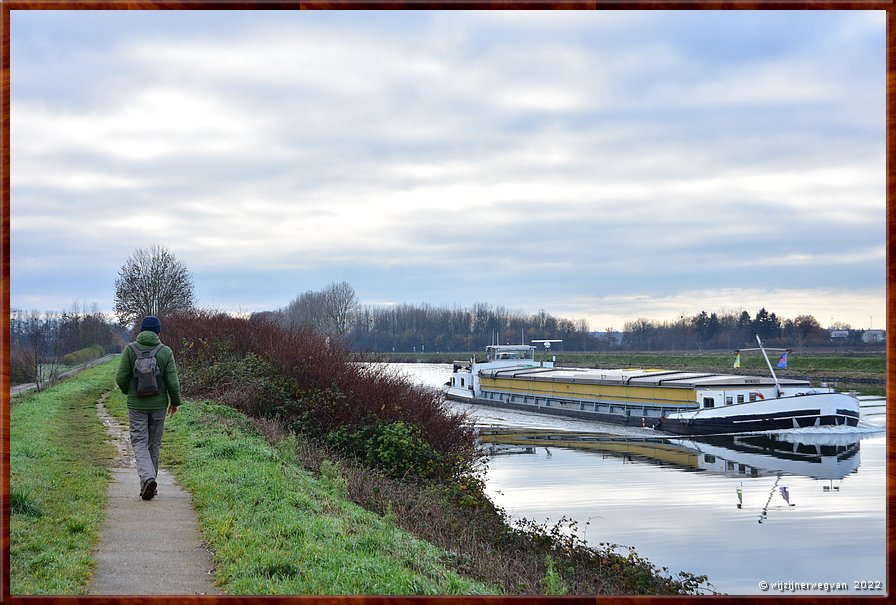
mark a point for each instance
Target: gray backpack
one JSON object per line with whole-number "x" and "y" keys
{"x": 147, "y": 375}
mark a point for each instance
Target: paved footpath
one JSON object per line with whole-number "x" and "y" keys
{"x": 148, "y": 547}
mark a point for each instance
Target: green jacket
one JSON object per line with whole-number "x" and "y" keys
{"x": 125, "y": 377}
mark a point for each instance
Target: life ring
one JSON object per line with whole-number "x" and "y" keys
{"x": 760, "y": 395}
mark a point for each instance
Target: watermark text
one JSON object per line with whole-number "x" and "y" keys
{"x": 860, "y": 585}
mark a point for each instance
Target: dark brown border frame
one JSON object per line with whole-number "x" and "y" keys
{"x": 9, "y": 5}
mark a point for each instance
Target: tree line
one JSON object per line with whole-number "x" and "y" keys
{"x": 423, "y": 327}
{"x": 154, "y": 282}
{"x": 727, "y": 330}
{"x": 41, "y": 344}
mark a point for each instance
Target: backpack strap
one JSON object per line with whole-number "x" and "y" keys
{"x": 137, "y": 352}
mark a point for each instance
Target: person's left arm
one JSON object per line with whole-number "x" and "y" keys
{"x": 172, "y": 384}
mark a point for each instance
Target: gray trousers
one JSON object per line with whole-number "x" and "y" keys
{"x": 146, "y": 440}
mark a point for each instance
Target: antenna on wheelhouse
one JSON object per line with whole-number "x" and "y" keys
{"x": 547, "y": 347}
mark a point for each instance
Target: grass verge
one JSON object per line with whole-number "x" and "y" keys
{"x": 59, "y": 454}
{"x": 277, "y": 529}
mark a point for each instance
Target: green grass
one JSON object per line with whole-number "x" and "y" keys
{"x": 58, "y": 478}
{"x": 276, "y": 529}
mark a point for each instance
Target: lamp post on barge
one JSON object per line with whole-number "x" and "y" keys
{"x": 547, "y": 347}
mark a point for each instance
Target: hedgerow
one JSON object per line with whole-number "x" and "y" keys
{"x": 315, "y": 385}
{"x": 83, "y": 355}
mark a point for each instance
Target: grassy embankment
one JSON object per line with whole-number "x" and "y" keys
{"x": 275, "y": 528}
{"x": 864, "y": 372}
{"x": 58, "y": 477}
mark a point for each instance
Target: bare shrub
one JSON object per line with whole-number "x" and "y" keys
{"x": 311, "y": 379}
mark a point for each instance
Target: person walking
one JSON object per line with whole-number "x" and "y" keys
{"x": 149, "y": 387}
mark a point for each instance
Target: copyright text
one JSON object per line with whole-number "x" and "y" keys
{"x": 820, "y": 586}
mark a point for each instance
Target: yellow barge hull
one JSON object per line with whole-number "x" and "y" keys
{"x": 617, "y": 394}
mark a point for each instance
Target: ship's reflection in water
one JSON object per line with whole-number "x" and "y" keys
{"x": 823, "y": 456}
{"x": 788, "y": 507}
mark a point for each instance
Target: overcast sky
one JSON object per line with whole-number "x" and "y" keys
{"x": 598, "y": 165}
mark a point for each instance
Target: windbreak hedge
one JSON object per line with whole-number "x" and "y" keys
{"x": 316, "y": 385}
{"x": 83, "y": 355}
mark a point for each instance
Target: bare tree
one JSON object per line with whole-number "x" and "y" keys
{"x": 639, "y": 333}
{"x": 341, "y": 306}
{"x": 83, "y": 326}
{"x": 331, "y": 310}
{"x": 152, "y": 282}
{"x": 34, "y": 348}
{"x": 308, "y": 309}
{"x": 27, "y": 345}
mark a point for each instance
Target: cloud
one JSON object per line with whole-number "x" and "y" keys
{"x": 456, "y": 156}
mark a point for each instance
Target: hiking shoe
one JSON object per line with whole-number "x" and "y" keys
{"x": 149, "y": 490}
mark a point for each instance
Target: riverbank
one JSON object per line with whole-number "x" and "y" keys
{"x": 277, "y": 529}
{"x": 282, "y": 514}
{"x": 274, "y": 527}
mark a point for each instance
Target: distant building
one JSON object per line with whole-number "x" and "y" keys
{"x": 867, "y": 336}
{"x": 872, "y": 336}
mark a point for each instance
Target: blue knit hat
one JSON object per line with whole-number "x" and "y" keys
{"x": 151, "y": 323}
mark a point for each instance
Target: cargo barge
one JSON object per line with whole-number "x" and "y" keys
{"x": 690, "y": 403}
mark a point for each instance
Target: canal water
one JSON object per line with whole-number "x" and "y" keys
{"x": 789, "y": 513}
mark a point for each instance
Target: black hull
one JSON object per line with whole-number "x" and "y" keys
{"x": 743, "y": 423}
{"x": 748, "y": 424}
